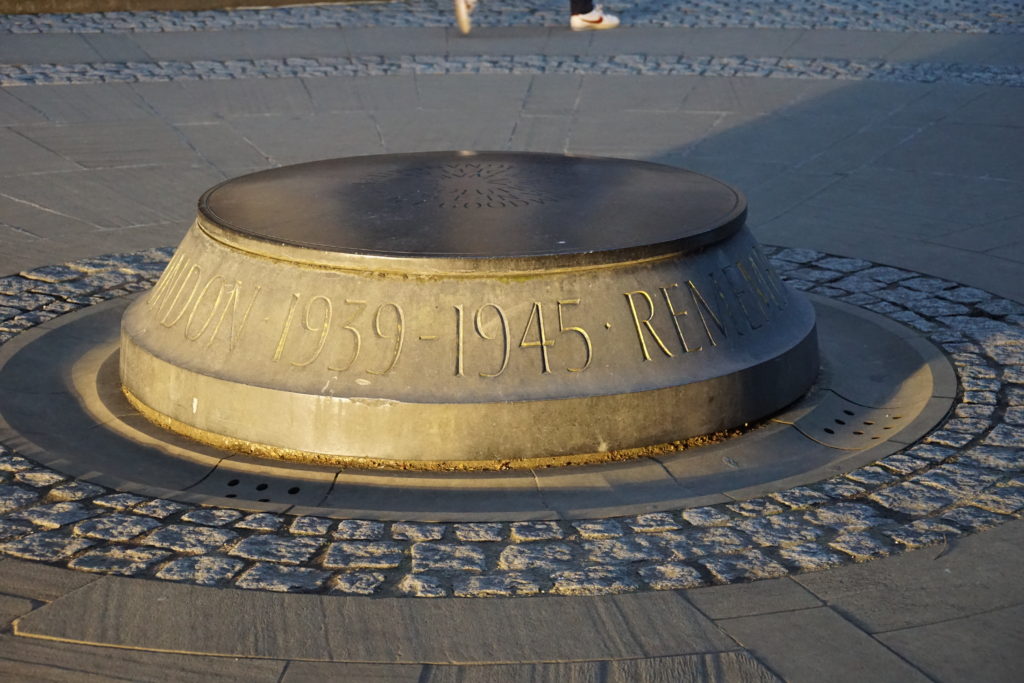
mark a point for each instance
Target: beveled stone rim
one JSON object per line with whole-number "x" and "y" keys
{"x": 426, "y": 264}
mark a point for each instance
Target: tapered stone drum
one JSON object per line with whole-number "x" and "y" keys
{"x": 466, "y": 310}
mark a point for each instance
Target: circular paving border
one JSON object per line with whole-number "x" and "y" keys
{"x": 966, "y": 475}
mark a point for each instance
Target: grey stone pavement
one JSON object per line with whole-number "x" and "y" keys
{"x": 884, "y": 131}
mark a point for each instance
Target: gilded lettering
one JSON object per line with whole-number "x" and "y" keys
{"x": 675, "y": 318}
{"x": 704, "y": 311}
{"x": 541, "y": 342}
{"x": 213, "y": 308}
{"x": 356, "y": 337}
{"x": 726, "y": 310}
{"x": 588, "y": 346}
{"x": 323, "y": 328}
{"x": 231, "y": 307}
{"x": 397, "y": 337}
{"x": 169, "y": 274}
{"x": 641, "y": 325}
{"x": 279, "y": 351}
{"x": 506, "y": 339}
{"x": 770, "y": 281}
{"x": 169, "y": 319}
{"x": 459, "y": 340}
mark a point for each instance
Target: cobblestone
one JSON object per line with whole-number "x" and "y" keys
{"x": 749, "y": 565}
{"x": 11, "y": 529}
{"x": 536, "y": 531}
{"x": 504, "y": 585}
{"x": 358, "y": 530}
{"x": 671, "y": 576}
{"x": 47, "y": 546}
{"x": 801, "y": 498}
{"x": 275, "y": 577}
{"x": 596, "y": 529}
{"x": 54, "y": 515}
{"x": 357, "y": 583}
{"x": 115, "y": 527}
{"x": 312, "y": 526}
{"x": 971, "y": 518}
{"x": 260, "y": 521}
{"x": 810, "y": 557}
{"x": 592, "y": 581}
{"x": 922, "y": 533}
{"x": 417, "y": 531}
{"x": 706, "y": 516}
{"x": 207, "y": 570}
{"x": 911, "y": 498}
{"x": 38, "y": 478}
{"x": 363, "y": 555}
{"x": 273, "y": 548}
{"x": 123, "y": 560}
{"x": 119, "y": 501}
{"x": 159, "y": 508}
{"x": 428, "y": 557}
{"x": 189, "y": 540}
{"x": 75, "y": 490}
{"x": 479, "y": 531}
{"x": 546, "y": 557}
{"x": 211, "y": 517}
{"x": 861, "y": 546}
{"x": 652, "y": 522}
{"x": 1006, "y": 435}
{"x": 422, "y": 586}
{"x": 1002, "y": 499}
{"x": 14, "y": 497}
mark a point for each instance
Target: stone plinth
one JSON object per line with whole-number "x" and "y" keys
{"x": 466, "y": 309}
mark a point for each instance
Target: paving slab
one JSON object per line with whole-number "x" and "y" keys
{"x": 975, "y": 648}
{"x": 750, "y": 599}
{"x": 971, "y": 575}
{"x": 315, "y": 672}
{"x": 41, "y": 660}
{"x": 116, "y": 47}
{"x": 200, "y": 101}
{"x": 34, "y": 581}
{"x": 97, "y": 102}
{"x": 23, "y": 155}
{"x": 121, "y": 143}
{"x": 52, "y": 49}
{"x": 326, "y": 628}
{"x": 829, "y": 647}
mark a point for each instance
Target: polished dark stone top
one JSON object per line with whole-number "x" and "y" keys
{"x": 477, "y": 204}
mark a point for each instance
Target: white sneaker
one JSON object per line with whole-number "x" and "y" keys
{"x": 594, "y": 20}
{"x": 463, "y": 8}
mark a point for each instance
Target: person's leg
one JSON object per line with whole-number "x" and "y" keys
{"x": 581, "y": 6}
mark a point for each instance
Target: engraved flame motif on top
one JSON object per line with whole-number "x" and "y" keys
{"x": 467, "y": 185}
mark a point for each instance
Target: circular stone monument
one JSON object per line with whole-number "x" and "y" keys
{"x": 456, "y": 309}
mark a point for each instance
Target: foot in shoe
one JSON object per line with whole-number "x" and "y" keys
{"x": 594, "y": 20}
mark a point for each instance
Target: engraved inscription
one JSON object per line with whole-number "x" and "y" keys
{"x": 330, "y": 333}
{"x": 501, "y": 322}
{"x": 541, "y": 341}
{"x": 738, "y": 298}
{"x": 205, "y": 306}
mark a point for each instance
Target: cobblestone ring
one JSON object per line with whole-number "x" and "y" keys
{"x": 967, "y": 475}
